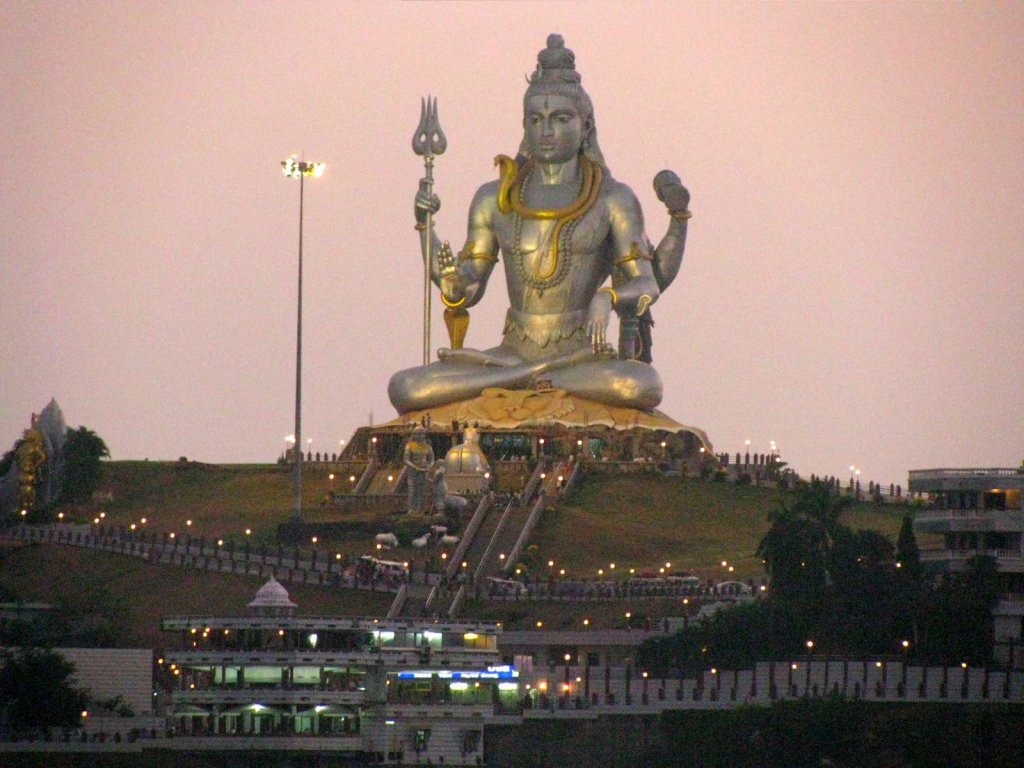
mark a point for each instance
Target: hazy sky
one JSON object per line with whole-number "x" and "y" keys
{"x": 852, "y": 282}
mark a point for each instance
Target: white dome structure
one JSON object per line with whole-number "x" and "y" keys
{"x": 272, "y": 600}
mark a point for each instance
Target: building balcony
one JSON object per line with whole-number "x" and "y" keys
{"x": 315, "y": 624}
{"x": 239, "y": 697}
{"x": 260, "y": 743}
{"x": 985, "y": 520}
{"x": 444, "y": 658}
{"x": 1010, "y": 605}
{"x": 1008, "y": 560}
{"x": 446, "y": 711}
{"x": 943, "y": 474}
{"x": 965, "y": 479}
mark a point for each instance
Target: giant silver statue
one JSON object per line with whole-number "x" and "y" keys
{"x": 574, "y": 246}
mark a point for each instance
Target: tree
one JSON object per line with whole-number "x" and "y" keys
{"x": 956, "y": 616}
{"x": 795, "y": 549}
{"x": 37, "y": 691}
{"x": 907, "y": 552}
{"x": 865, "y": 612}
{"x": 820, "y": 502}
{"x": 83, "y": 453}
{"x": 792, "y": 551}
{"x": 9, "y": 458}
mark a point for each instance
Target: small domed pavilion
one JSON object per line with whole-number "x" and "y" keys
{"x": 272, "y": 600}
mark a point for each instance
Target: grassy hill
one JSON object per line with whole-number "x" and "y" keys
{"x": 132, "y": 595}
{"x": 634, "y": 521}
{"x": 646, "y": 521}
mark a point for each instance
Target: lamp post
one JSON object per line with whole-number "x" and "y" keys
{"x": 807, "y": 682}
{"x": 299, "y": 169}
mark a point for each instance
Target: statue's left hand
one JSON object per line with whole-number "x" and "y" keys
{"x": 598, "y": 314}
{"x": 671, "y": 192}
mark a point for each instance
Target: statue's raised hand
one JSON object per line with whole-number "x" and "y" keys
{"x": 446, "y": 261}
{"x": 449, "y": 280}
{"x": 671, "y": 192}
{"x": 426, "y": 202}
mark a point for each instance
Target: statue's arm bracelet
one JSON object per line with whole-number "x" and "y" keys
{"x": 681, "y": 215}
{"x": 468, "y": 253}
{"x": 484, "y": 256}
{"x": 611, "y": 292}
{"x": 635, "y": 253}
{"x": 420, "y": 226}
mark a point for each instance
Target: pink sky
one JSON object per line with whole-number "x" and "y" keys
{"x": 851, "y": 287}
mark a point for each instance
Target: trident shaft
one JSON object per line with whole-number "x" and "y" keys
{"x": 428, "y": 141}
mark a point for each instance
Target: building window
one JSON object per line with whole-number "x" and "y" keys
{"x": 995, "y": 500}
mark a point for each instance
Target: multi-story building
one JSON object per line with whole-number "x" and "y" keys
{"x": 400, "y": 690}
{"x": 978, "y": 512}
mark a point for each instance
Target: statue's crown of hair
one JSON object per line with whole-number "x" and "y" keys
{"x": 555, "y": 64}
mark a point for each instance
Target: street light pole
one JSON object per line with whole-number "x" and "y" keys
{"x": 299, "y": 169}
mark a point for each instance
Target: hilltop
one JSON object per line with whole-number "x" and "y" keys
{"x": 634, "y": 521}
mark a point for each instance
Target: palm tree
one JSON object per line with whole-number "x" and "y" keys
{"x": 795, "y": 549}
{"x": 83, "y": 451}
{"x": 821, "y": 503}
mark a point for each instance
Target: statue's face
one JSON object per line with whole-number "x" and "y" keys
{"x": 554, "y": 128}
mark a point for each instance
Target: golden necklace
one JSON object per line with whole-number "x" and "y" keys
{"x": 511, "y": 199}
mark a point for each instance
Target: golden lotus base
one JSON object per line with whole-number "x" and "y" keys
{"x": 514, "y": 409}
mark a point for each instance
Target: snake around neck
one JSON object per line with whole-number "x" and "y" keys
{"x": 512, "y": 199}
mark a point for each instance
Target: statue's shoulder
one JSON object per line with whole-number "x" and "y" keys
{"x": 618, "y": 195}
{"x": 486, "y": 198}
{"x": 489, "y": 189}
{"x": 615, "y": 189}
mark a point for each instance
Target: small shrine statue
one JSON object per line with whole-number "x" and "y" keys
{"x": 440, "y": 488}
{"x": 443, "y": 500}
{"x": 574, "y": 246}
{"x": 418, "y": 458}
{"x": 31, "y": 457}
{"x": 466, "y": 464}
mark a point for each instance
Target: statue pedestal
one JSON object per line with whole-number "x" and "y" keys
{"x": 549, "y": 412}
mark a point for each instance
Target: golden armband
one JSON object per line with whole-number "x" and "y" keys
{"x": 635, "y": 252}
{"x": 467, "y": 253}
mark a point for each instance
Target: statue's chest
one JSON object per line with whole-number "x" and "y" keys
{"x": 534, "y": 238}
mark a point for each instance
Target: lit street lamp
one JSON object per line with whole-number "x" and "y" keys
{"x": 299, "y": 169}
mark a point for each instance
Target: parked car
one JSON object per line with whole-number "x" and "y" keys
{"x": 505, "y": 587}
{"x": 693, "y": 582}
{"x": 733, "y": 588}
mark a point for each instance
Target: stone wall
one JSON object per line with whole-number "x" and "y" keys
{"x": 786, "y": 735}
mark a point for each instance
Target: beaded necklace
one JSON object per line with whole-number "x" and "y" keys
{"x": 566, "y": 221}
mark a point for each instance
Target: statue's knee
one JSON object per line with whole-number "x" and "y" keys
{"x": 640, "y": 388}
{"x": 403, "y": 389}
{"x": 649, "y": 395}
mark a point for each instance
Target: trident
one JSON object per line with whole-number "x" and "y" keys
{"x": 429, "y": 140}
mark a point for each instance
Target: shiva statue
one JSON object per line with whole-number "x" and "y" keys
{"x": 574, "y": 246}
